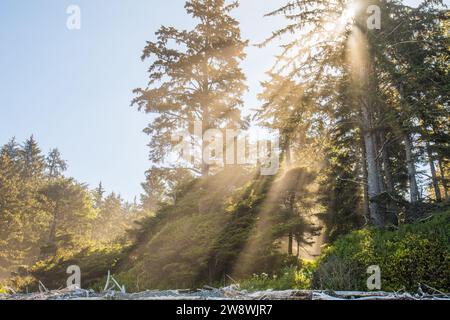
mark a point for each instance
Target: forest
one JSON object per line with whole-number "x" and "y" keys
{"x": 355, "y": 110}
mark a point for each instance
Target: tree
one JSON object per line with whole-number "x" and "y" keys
{"x": 55, "y": 164}
{"x": 98, "y": 194}
{"x": 286, "y": 110}
{"x": 10, "y": 213}
{"x": 162, "y": 186}
{"x": 32, "y": 160}
{"x": 414, "y": 67}
{"x": 194, "y": 76}
{"x": 11, "y": 149}
{"x": 294, "y": 209}
{"x": 22, "y": 216}
{"x": 111, "y": 218}
{"x": 332, "y": 44}
{"x": 70, "y": 206}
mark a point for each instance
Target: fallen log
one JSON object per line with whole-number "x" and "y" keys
{"x": 229, "y": 293}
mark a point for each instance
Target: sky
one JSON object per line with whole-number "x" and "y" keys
{"x": 72, "y": 89}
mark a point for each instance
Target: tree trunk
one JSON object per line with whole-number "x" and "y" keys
{"x": 413, "y": 190}
{"x": 434, "y": 178}
{"x": 378, "y": 140}
{"x": 365, "y": 188}
{"x": 392, "y": 206}
{"x": 388, "y": 173}
{"x": 372, "y": 169}
{"x": 290, "y": 243}
{"x": 364, "y": 80}
{"x": 205, "y": 127}
{"x": 444, "y": 180}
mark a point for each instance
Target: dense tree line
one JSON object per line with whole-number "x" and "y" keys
{"x": 368, "y": 98}
{"x": 362, "y": 113}
{"x": 383, "y": 95}
{"x": 43, "y": 213}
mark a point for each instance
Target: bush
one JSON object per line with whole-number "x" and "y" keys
{"x": 282, "y": 281}
{"x": 288, "y": 278}
{"x": 94, "y": 263}
{"x": 2, "y": 290}
{"x": 413, "y": 255}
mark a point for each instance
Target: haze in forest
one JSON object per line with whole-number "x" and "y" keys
{"x": 346, "y": 169}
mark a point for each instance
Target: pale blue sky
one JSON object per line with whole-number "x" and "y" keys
{"x": 72, "y": 89}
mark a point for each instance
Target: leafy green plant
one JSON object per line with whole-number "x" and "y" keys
{"x": 2, "y": 290}
{"x": 414, "y": 254}
{"x": 282, "y": 281}
{"x": 288, "y": 278}
{"x": 94, "y": 263}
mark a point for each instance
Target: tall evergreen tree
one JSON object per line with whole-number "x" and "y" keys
{"x": 55, "y": 164}
{"x": 98, "y": 195}
{"x": 194, "y": 76}
{"x": 12, "y": 149}
{"x": 332, "y": 44}
{"x": 32, "y": 159}
{"x": 70, "y": 207}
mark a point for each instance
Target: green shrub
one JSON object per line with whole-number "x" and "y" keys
{"x": 2, "y": 290}
{"x": 282, "y": 281}
{"x": 415, "y": 254}
{"x": 288, "y": 278}
{"x": 94, "y": 263}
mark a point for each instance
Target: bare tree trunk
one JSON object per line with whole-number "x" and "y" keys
{"x": 363, "y": 78}
{"x": 365, "y": 188}
{"x": 388, "y": 173}
{"x": 372, "y": 170}
{"x": 205, "y": 126}
{"x": 434, "y": 178}
{"x": 444, "y": 181}
{"x": 392, "y": 209}
{"x": 290, "y": 243}
{"x": 383, "y": 204}
{"x": 413, "y": 190}
{"x": 378, "y": 140}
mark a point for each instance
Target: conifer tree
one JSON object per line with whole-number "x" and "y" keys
{"x": 194, "y": 76}
{"x": 55, "y": 164}
{"x": 332, "y": 44}
{"x": 98, "y": 195}
{"x": 33, "y": 161}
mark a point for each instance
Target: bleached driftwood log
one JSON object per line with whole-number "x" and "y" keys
{"x": 232, "y": 292}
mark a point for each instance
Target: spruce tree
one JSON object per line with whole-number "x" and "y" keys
{"x": 33, "y": 161}
{"x": 55, "y": 164}
{"x": 194, "y": 76}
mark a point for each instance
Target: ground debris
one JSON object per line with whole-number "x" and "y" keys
{"x": 232, "y": 292}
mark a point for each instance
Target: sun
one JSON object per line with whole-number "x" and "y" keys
{"x": 342, "y": 21}
{"x": 349, "y": 13}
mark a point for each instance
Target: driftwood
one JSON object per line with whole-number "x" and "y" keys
{"x": 339, "y": 295}
{"x": 228, "y": 293}
{"x": 232, "y": 292}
